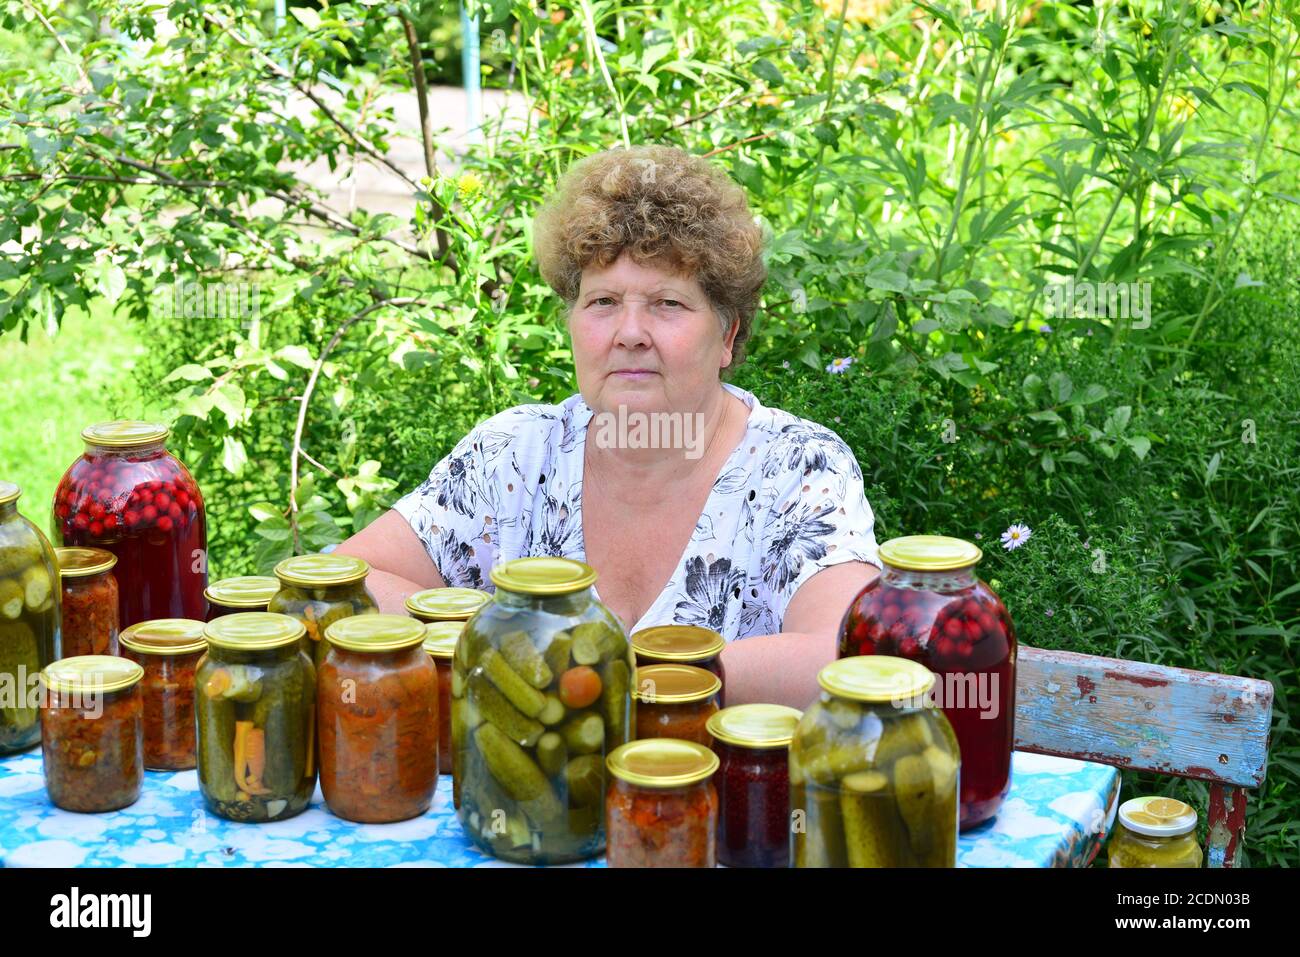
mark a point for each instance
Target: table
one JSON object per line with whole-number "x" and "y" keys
{"x": 1057, "y": 815}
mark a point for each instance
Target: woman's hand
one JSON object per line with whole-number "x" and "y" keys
{"x": 782, "y": 668}
{"x": 399, "y": 565}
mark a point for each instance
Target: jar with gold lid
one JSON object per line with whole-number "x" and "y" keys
{"x": 319, "y": 590}
{"x": 682, "y": 645}
{"x": 90, "y": 622}
{"x": 676, "y": 701}
{"x": 440, "y": 639}
{"x": 1155, "y": 832}
{"x": 169, "y": 651}
{"x": 242, "y": 593}
{"x": 662, "y": 807}
{"x": 446, "y": 604}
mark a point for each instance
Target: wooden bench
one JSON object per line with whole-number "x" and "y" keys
{"x": 1140, "y": 717}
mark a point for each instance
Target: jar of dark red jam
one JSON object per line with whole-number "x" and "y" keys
{"x": 129, "y": 495}
{"x": 927, "y": 605}
{"x": 92, "y": 733}
{"x": 169, "y": 651}
{"x": 440, "y": 639}
{"x": 446, "y": 604}
{"x": 752, "y": 742}
{"x": 244, "y": 593}
{"x": 89, "y": 601}
{"x": 682, "y": 645}
{"x": 661, "y": 809}
{"x": 676, "y": 701}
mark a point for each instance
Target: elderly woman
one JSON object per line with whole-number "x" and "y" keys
{"x": 754, "y": 525}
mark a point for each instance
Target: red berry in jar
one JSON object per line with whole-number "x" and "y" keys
{"x": 953, "y": 623}
{"x": 149, "y": 513}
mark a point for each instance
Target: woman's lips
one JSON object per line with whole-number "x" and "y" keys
{"x": 634, "y": 374}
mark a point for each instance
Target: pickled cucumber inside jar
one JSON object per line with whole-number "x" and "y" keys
{"x": 874, "y": 770}
{"x": 319, "y": 590}
{"x": 1155, "y": 832}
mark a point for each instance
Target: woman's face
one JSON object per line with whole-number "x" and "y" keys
{"x": 646, "y": 339}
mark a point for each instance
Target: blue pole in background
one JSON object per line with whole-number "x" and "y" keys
{"x": 469, "y": 63}
{"x": 280, "y": 13}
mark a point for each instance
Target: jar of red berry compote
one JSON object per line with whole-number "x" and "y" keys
{"x": 928, "y": 605}
{"x": 127, "y": 494}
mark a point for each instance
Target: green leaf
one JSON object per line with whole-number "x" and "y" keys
{"x": 1048, "y": 463}
{"x": 233, "y": 457}
{"x": 1118, "y": 420}
{"x": 265, "y": 512}
{"x": 1061, "y": 387}
{"x": 1093, "y": 393}
{"x": 767, "y": 70}
{"x": 1212, "y": 467}
{"x": 308, "y": 17}
{"x": 229, "y": 398}
{"x": 1031, "y": 388}
{"x": 1140, "y": 445}
{"x": 189, "y": 372}
{"x": 110, "y": 280}
{"x": 298, "y": 355}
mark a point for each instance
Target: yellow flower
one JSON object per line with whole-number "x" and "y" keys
{"x": 1182, "y": 107}
{"x": 468, "y": 185}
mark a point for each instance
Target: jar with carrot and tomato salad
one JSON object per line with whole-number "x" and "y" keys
{"x": 255, "y": 711}
{"x": 169, "y": 650}
{"x": 662, "y": 807}
{"x": 682, "y": 645}
{"x": 440, "y": 639}
{"x": 377, "y": 700}
{"x": 92, "y": 734}
{"x": 1155, "y": 832}
{"x": 244, "y": 593}
{"x": 676, "y": 701}
{"x": 928, "y": 605}
{"x": 127, "y": 494}
{"x": 446, "y": 604}
{"x": 752, "y": 742}
{"x": 319, "y": 590}
{"x": 89, "y": 601}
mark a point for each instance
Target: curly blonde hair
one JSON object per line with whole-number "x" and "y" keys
{"x": 661, "y": 205}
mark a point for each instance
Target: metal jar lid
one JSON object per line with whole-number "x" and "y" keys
{"x": 930, "y": 553}
{"x": 446, "y": 604}
{"x": 543, "y": 576}
{"x": 1157, "y": 816}
{"x": 253, "y": 631}
{"x": 662, "y": 762}
{"x": 678, "y": 643}
{"x": 374, "y": 634}
{"x": 321, "y": 570}
{"x": 675, "y": 684}
{"x": 75, "y": 562}
{"x": 91, "y": 674}
{"x": 245, "y": 591}
{"x": 125, "y": 433}
{"x": 440, "y": 637}
{"x": 876, "y": 679}
{"x": 756, "y": 726}
{"x": 165, "y": 636}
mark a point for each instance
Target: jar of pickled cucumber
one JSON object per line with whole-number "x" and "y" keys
{"x": 927, "y": 604}
{"x": 377, "y": 699}
{"x": 29, "y": 621}
{"x": 676, "y": 701}
{"x": 92, "y": 733}
{"x": 440, "y": 639}
{"x": 129, "y": 495}
{"x": 244, "y": 593}
{"x": 169, "y": 651}
{"x": 89, "y": 593}
{"x": 752, "y": 742}
{"x": 1155, "y": 832}
{"x": 446, "y": 604}
{"x": 874, "y": 770}
{"x": 682, "y": 645}
{"x": 541, "y": 693}
{"x": 319, "y": 590}
{"x": 662, "y": 807}
{"x": 255, "y": 703}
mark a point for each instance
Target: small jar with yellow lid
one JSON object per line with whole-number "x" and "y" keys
{"x": 1155, "y": 832}
{"x": 676, "y": 701}
{"x": 255, "y": 704}
{"x": 541, "y": 693}
{"x": 169, "y": 651}
{"x": 90, "y": 623}
{"x": 874, "y": 770}
{"x": 377, "y": 694}
{"x": 440, "y": 639}
{"x": 243, "y": 593}
{"x": 662, "y": 807}
{"x": 319, "y": 590}
{"x": 682, "y": 645}
{"x": 446, "y": 604}
{"x": 752, "y": 742}
{"x": 92, "y": 733}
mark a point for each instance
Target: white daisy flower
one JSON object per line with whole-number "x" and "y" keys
{"x": 838, "y": 366}
{"x": 1015, "y": 536}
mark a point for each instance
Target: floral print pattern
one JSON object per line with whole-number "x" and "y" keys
{"x": 788, "y": 502}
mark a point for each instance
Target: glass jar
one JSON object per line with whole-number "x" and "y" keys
{"x": 927, "y": 605}
{"x": 682, "y": 645}
{"x": 440, "y": 639}
{"x": 1155, "y": 832}
{"x": 446, "y": 604}
{"x": 245, "y": 593}
{"x": 29, "y": 621}
{"x": 541, "y": 693}
{"x": 92, "y": 733}
{"x": 676, "y": 701}
{"x": 169, "y": 651}
{"x": 874, "y": 770}
{"x": 377, "y": 694}
{"x": 752, "y": 742}
{"x": 129, "y": 495}
{"x": 255, "y": 703}
{"x": 319, "y": 590}
{"x": 662, "y": 807}
{"x": 90, "y": 609}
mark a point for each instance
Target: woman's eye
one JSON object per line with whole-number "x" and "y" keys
{"x": 670, "y": 302}
{"x": 602, "y": 300}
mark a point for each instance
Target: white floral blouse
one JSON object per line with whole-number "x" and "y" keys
{"x": 788, "y": 502}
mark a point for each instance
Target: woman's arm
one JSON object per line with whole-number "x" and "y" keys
{"x": 399, "y": 565}
{"x": 782, "y": 668}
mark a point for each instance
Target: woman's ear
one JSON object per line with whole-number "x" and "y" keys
{"x": 728, "y": 343}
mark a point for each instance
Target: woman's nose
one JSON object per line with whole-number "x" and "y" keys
{"x": 632, "y": 327}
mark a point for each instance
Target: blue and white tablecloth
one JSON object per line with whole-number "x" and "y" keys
{"x": 1058, "y": 815}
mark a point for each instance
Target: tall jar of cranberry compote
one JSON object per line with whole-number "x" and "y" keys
{"x": 928, "y": 605}
{"x": 129, "y": 495}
